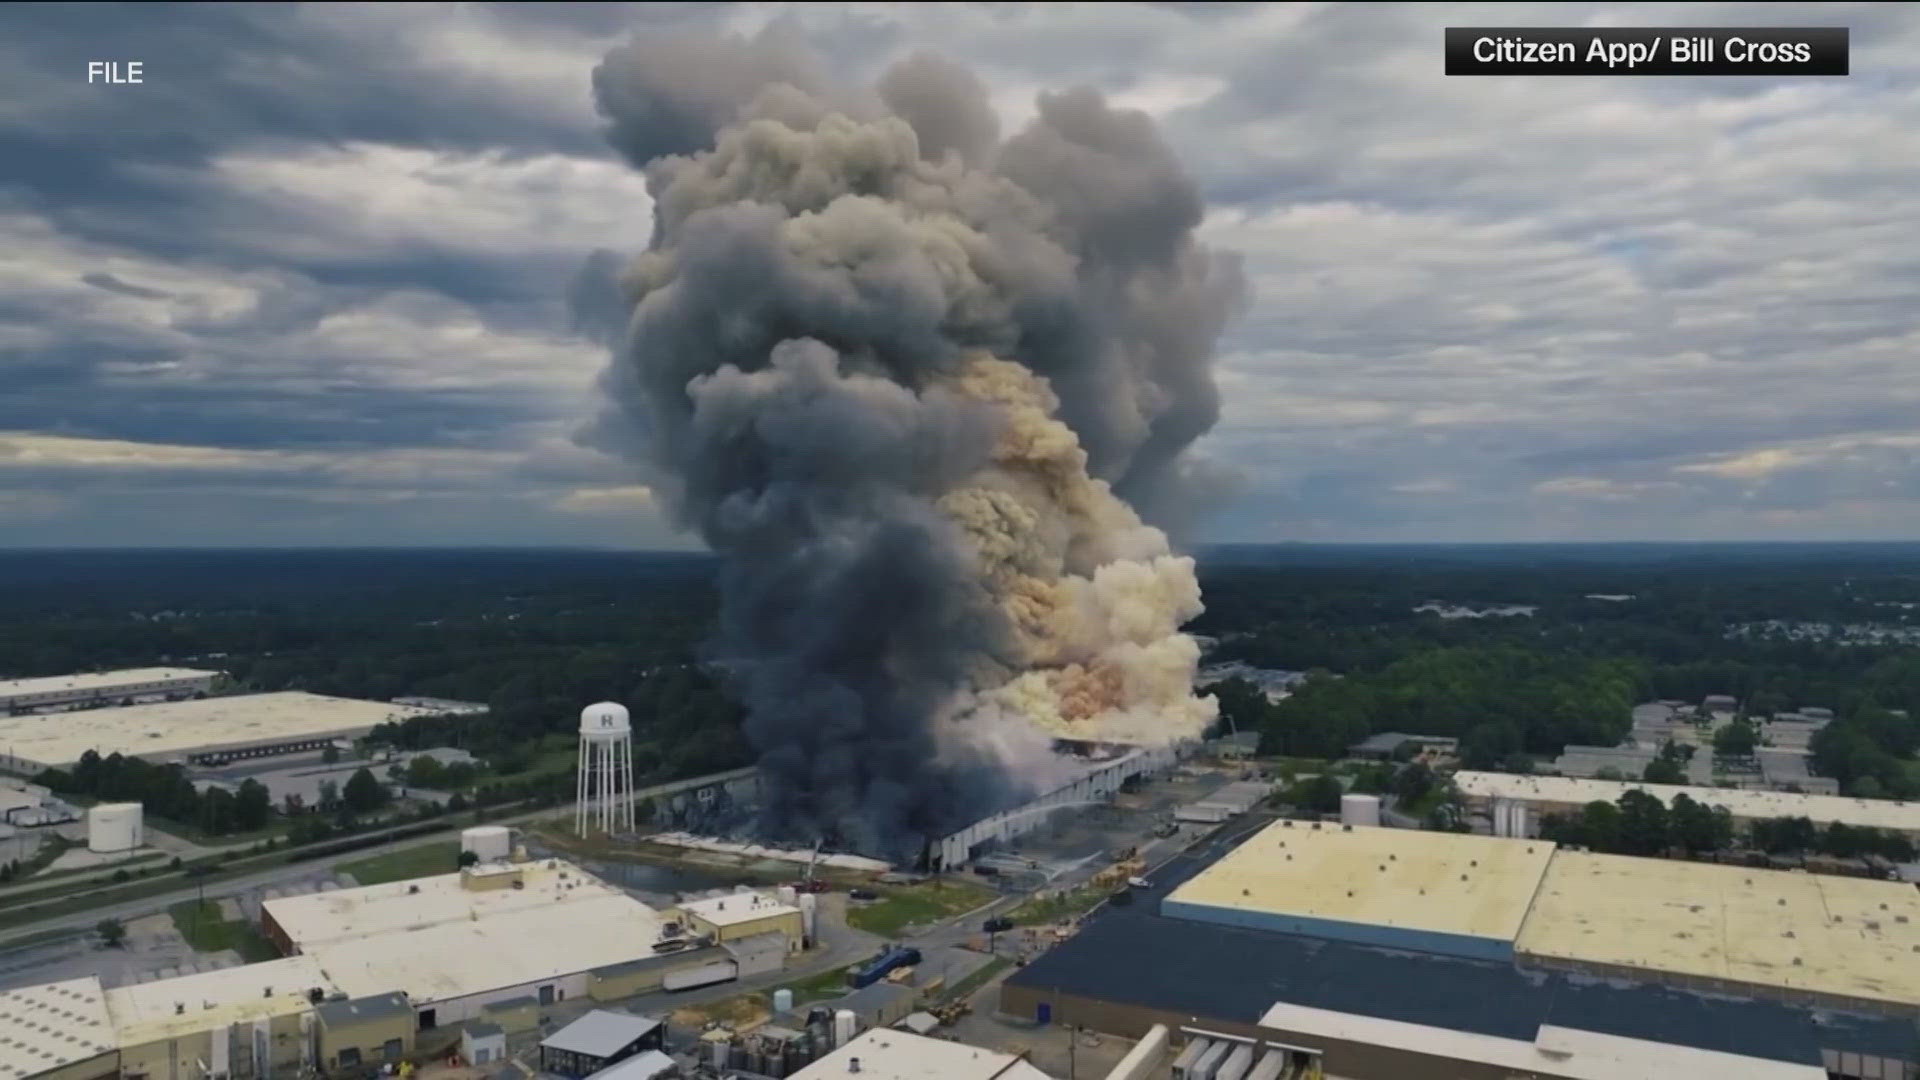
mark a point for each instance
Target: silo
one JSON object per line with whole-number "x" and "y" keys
{"x": 114, "y": 827}
{"x": 845, "y": 1024}
{"x": 1360, "y": 810}
{"x": 809, "y": 903}
{"x": 488, "y": 843}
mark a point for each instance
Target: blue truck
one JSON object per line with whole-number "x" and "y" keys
{"x": 898, "y": 956}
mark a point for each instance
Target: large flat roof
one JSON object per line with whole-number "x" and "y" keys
{"x": 512, "y": 948}
{"x": 45, "y": 1027}
{"x": 347, "y": 914}
{"x": 1442, "y": 883}
{"x": 1740, "y": 802}
{"x": 167, "y": 1008}
{"x": 899, "y": 1055}
{"x": 99, "y": 680}
{"x": 1815, "y": 933}
{"x": 167, "y": 729}
{"x": 1554, "y": 1051}
{"x": 737, "y": 907}
{"x": 601, "y": 1033}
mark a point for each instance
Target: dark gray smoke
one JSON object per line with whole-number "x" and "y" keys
{"x": 825, "y": 361}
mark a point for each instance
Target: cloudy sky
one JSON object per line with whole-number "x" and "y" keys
{"x": 307, "y": 283}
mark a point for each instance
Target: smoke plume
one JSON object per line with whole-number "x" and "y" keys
{"x": 916, "y": 385}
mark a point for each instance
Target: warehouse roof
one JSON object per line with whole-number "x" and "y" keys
{"x": 735, "y": 908}
{"x": 642, "y": 1066}
{"x": 493, "y": 949}
{"x": 173, "y": 728}
{"x": 354, "y": 1010}
{"x": 1815, "y": 933}
{"x": 1553, "y": 1051}
{"x": 899, "y": 1055}
{"x": 45, "y": 1027}
{"x": 1448, "y": 883}
{"x": 1742, "y": 803}
{"x": 1225, "y": 973}
{"x": 344, "y": 914}
{"x": 99, "y": 680}
{"x": 601, "y": 1033}
{"x": 167, "y": 1008}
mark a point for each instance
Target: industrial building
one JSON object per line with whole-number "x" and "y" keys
{"x": 738, "y": 915}
{"x": 1382, "y": 954}
{"x": 355, "y": 1033}
{"x": 1444, "y": 893}
{"x": 597, "y": 1040}
{"x": 884, "y": 1054}
{"x": 244, "y": 1021}
{"x": 458, "y": 943}
{"x": 132, "y": 686}
{"x": 1565, "y": 794}
{"x": 1101, "y": 780}
{"x": 57, "y": 1031}
{"x": 212, "y": 731}
{"x": 1816, "y": 940}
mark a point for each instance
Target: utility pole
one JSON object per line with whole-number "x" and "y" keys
{"x": 1073, "y": 1046}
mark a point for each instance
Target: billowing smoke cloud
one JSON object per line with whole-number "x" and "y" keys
{"x": 911, "y": 382}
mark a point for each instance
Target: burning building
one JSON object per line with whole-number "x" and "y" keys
{"x": 929, "y": 393}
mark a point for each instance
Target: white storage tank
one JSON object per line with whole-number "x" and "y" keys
{"x": 845, "y": 1025}
{"x": 809, "y": 912}
{"x": 782, "y": 1001}
{"x": 488, "y": 843}
{"x": 1360, "y": 810}
{"x": 114, "y": 827}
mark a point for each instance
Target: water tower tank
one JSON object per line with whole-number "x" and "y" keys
{"x": 606, "y": 720}
{"x": 114, "y": 827}
{"x": 1359, "y": 809}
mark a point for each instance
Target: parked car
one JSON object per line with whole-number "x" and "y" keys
{"x": 997, "y": 924}
{"x": 862, "y": 894}
{"x": 1139, "y": 883}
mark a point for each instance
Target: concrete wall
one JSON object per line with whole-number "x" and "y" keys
{"x": 472, "y": 1007}
{"x": 513, "y": 1018}
{"x": 182, "y": 1057}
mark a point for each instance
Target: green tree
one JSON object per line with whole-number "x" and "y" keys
{"x": 1600, "y": 826}
{"x": 425, "y": 771}
{"x": 363, "y": 793}
{"x": 1643, "y": 824}
{"x": 1696, "y": 827}
{"x": 1663, "y": 771}
{"x": 331, "y": 755}
{"x": 1319, "y": 795}
{"x": 468, "y": 858}
{"x": 112, "y": 932}
{"x": 1736, "y": 740}
{"x": 252, "y": 806}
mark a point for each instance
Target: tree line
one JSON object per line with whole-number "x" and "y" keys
{"x": 1638, "y": 823}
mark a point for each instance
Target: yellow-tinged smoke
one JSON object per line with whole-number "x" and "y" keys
{"x": 1096, "y": 597}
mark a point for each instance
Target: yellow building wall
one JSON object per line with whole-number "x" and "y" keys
{"x": 624, "y": 985}
{"x": 788, "y": 923}
{"x": 519, "y": 1018}
{"x": 181, "y": 1057}
{"x": 369, "y": 1036}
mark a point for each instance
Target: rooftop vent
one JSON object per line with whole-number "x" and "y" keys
{"x": 1346, "y": 828}
{"x": 853, "y": 1065}
{"x": 412, "y": 889}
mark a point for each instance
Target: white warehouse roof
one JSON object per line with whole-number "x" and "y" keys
{"x": 88, "y": 682}
{"x": 47, "y": 1027}
{"x": 175, "y": 728}
{"x": 169, "y": 1008}
{"x": 734, "y": 908}
{"x": 344, "y": 914}
{"x": 900, "y": 1055}
{"x": 1740, "y": 802}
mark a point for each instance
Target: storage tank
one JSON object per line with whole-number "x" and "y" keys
{"x": 788, "y": 895}
{"x": 488, "y": 843}
{"x": 1237, "y": 1063}
{"x": 809, "y": 905}
{"x": 782, "y": 1000}
{"x": 114, "y": 827}
{"x": 845, "y": 1024}
{"x": 1359, "y": 809}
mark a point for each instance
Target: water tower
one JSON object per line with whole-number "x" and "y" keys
{"x": 604, "y": 800}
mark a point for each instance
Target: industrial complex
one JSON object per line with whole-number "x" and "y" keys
{"x": 1367, "y": 952}
{"x": 207, "y": 731}
{"x": 132, "y": 686}
{"x": 1563, "y": 794}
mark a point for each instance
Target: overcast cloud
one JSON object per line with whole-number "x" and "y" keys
{"x": 308, "y": 283}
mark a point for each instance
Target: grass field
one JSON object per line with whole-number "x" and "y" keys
{"x": 1042, "y": 910}
{"x": 916, "y": 905}
{"x": 424, "y": 860}
{"x": 208, "y": 931}
{"x": 827, "y": 984}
